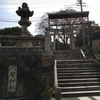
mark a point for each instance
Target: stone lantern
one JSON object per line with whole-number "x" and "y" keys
{"x": 25, "y": 13}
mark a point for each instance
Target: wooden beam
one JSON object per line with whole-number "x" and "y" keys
{"x": 68, "y": 24}
{"x": 60, "y": 30}
{"x": 60, "y": 34}
{"x": 68, "y": 15}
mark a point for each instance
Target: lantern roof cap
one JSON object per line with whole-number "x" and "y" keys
{"x": 24, "y": 9}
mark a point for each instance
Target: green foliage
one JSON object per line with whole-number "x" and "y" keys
{"x": 12, "y": 31}
{"x": 92, "y": 28}
{"x": 42, "y": 89}
{"x": 88, "y": 32}
{"x": 47, "y": 91}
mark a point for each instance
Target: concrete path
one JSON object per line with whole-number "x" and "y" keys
{"x": 83, "y": 98}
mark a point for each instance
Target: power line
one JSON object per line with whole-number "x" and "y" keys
{"x": 93, "y": 6}
{"x": 68, "y": 6}
{"x": 91, "y": 2}
{"x": 95, "y": 2}
{"x": 95, "y": 10}
{"x": 37, "y": 2}
{"x": 42, "y": 6}
{"x": 15, "y": 21}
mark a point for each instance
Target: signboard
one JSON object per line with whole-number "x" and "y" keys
{"x": 12, "y": 78}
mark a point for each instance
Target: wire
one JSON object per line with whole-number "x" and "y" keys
{"x": 7, "y": 21}
{"x": 95, "y": 2}
{"x": 15, "y": 21}
{"x": 93, "y": 6}
{"x": 42, "y": 6}
{"x": 37, "y": 2}
{"x": 91, "y": 2}
{"x": 95, "y": 9}
{"x": 55, "y": 3}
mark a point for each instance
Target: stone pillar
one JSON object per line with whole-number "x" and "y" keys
{"x": 54, "y": 41}
{"x": 47, "y": 42}
{"x": 72, "y": 41}
{"x": 58, "y": 93}
{"x": 24, "y": 30}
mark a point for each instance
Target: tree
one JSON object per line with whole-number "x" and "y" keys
{"x": 12, "y": 31}
{"x": 88, "y": 33}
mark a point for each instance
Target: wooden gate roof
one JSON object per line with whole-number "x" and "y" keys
{"x": 68, "y": 15}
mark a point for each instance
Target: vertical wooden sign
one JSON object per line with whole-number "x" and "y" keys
{"x": 12, "y": 78}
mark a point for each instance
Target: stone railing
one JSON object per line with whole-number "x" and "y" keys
{"x": 19, "y": 42}
{"x": 57, "y": 88}
{"x": 24, "y": 45}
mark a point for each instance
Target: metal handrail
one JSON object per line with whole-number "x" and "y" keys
{"x": 83, "y": 54}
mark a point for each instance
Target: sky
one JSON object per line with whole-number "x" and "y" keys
{"x": 9, "y": 18}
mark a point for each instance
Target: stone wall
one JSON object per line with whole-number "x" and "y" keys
{"x": 21, "y": 77}
{"x": 42, "y": 77}
{"x": 13, "y": 79}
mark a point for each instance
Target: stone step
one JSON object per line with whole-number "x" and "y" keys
{"x": 71, "y": 74}
{"x": 78, "y": 76}
{"x": 80, "y": 93}
{"x": 77, "y": 71}
{"x": 74, "y": 84}
{"x": 76, "y": 64}
{"x": 78, "y": 80}
{"x": 75, "y": 61}
{"x": 80, "y": 88}
{"x": 79, "y": 68}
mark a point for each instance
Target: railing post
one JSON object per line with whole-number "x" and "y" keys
{"x": 47, "y": 42}
{"x": 58, "y": 93}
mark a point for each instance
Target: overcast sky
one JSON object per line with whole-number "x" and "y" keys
{"x": 8, "y": 17}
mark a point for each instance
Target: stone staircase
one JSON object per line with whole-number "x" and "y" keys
{"x": 78, "y": 78}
